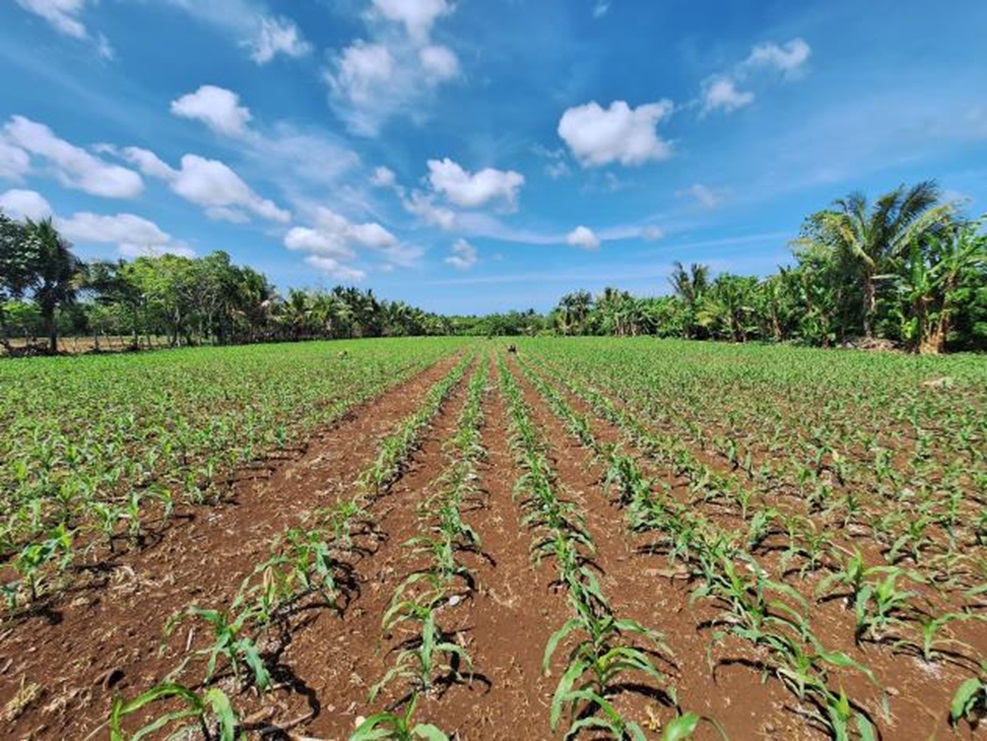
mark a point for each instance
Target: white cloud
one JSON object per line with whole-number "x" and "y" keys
{"x": 74, "y": 167}
{"x": 361, "y": 70}
{"x": 721, "y": 93}
{"x": 148, "y": 163}
{"x": 211, "y": 183}
{"x": 227, "y": 214}
{"x": 599, "y": 136}
{"x": 264, "y": 35}
{"x": 318, "y": 242}
{"x": 706, "y": 197}
{"x": 277, "y": 36}
{"x": 333, "y": 237}
{"x": 601, "y": 8}
{"x": 208, "y": 183}
{"x": 64, "y": 17}
{"x": 471, "y": 190}
{"x": 133, "y": 235}
{"x": 651, "y": 233}
{"x": 217, "y": 107}
{"x": 439, "y": 63}
{"x": 423, "y": 205}
{"x": 583, "y": 237}
{"x": 463, "y": 255}
{"x": 372, "y": 235}
{"x": 392, "y": 73}
{"x": 383, "y": 177}
{"x": 334, "y": 269}
{"x": 25, "y": 204}
{"x": 786, "y": 58}
{"x": 418, "y": 16}
{"x": 14, "y": 161}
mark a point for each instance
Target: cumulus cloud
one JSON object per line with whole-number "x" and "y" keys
{"x": 423, "y": 206}
{"x": 601, "y": 8}
{"x": 383, "y": 177}
{"x": 74, "y": 167}
{"x": 25, "y": 204}
{"x": 277, "y": 36}
{"x": 439, "y": 63}
{"x": 706, "y": 197}
{"x": 361, "y": 70}
{"x": 418, "y": 16}
{"x": 464, "y": 255}
{"x": 652, "y": 233}
{"x": 471, "y": 190}
{"x": 583, "y": 237}
{"x": 334, "y": 269}
{"x": 334, "y": 237}
{"x": 14, "y": 161}
{"x": 133, "y": 235}
{"x": 305, "y": 239}
{"x": 600, "y": 136}
{"x": 392, "y": 73}
{"x": 216, "y": 107}
{"x": 212, "y": 183}
{"x": 148, "y": 163}
{"x": 263, "y": 35}
{"x": 721, "y": 93}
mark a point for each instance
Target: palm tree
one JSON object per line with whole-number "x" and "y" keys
{"x": 874, "y": 235}
{"x": 56, "y": 281}
{"x": 690, "y": 287}
{"x": 575, "y": 309}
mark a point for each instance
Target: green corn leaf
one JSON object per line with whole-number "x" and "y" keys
{"x": 429, "y": 732}
{"x": 964, "y": 698}
{"x": 682, "y": 727}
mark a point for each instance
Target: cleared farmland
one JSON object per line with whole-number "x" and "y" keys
{"x": 596, "y": 537}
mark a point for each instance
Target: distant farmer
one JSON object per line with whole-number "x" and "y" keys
{"x": 512, "y": 349}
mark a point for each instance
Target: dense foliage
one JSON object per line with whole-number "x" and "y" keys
{"x": 907, "y": 269}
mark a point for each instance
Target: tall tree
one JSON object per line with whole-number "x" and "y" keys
{"x": 690, "y": 287}
{"x": 874, "y": 235}
{"x": 17, "y": 267}
{"x": 55, "y": 282}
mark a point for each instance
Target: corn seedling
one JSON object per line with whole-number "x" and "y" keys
{"x": 211, "y": 714}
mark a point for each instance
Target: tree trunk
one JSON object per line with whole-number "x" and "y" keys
{"x": 870, "y": 301}
{"x": 51, "y": 327}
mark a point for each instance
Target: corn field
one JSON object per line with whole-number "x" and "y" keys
{"x": 441, "y": 539}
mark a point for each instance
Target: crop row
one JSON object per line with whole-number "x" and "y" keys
{"x": 767, "y": 613}
{"x": 310, "y": 567}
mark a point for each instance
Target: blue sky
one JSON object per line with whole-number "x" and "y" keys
{"x": 479, "y": 155}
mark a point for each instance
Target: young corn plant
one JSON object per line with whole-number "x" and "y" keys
{"x": 970, "y": 700}
{"x": 396, "y": 727}
{"x": 210, "y": 714}
{"x": 596, "y": 661}
{"x": 231, "y": 641}
{"x": 429, "y": 654}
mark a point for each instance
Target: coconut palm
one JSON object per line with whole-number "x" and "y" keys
{"x": 874, "y": 235}
{"x": 56, "y": 276}
{"x": 690, "y": 287}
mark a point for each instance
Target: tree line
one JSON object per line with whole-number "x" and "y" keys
{"x": 907, "y": 269}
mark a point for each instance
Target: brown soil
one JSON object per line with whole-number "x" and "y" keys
{"x": 104, "y": 637}
{"x": 62, "y": 666}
